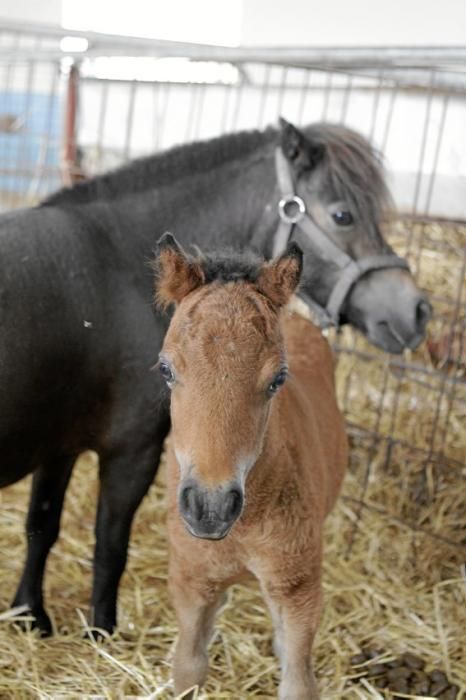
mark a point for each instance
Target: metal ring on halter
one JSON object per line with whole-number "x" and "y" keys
{"x": 285, "y": 202}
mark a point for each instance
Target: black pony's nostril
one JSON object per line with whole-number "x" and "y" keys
{"x": 423, "y": 313}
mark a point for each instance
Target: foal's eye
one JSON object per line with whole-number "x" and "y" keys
{"x": 166, "y": 372}
{"x": 343, "y": 218}
{"x": 278, "y": 381}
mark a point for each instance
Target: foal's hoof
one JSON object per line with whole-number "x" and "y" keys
{"x": 33, "y": 619}
{"x": 190, "y": 694}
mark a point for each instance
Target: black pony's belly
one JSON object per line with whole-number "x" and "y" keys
{"x": 15, "y": 463}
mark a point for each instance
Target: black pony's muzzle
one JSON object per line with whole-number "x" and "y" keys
{"x": 400, "y": 325}
{"x": 210, "y": 513}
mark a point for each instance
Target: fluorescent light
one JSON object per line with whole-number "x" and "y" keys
{"x": 74, "y": 44}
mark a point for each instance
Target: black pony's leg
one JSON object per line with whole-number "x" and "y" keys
{"x": 42, "y": 527}
{"x": 125, "y": 479}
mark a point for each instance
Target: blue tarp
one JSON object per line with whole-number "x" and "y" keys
{"x": 37, "y": 142}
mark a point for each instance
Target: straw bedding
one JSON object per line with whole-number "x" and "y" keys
{"x": 388, "y": 584}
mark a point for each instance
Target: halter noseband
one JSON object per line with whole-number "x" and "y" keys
{"x": 292, "y": 212}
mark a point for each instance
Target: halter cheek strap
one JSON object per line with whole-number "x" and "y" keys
{"x": 292, "y": 212}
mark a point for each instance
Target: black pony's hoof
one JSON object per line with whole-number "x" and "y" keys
{"x": 33, "y": 619}
{"x": 96, "y": 634}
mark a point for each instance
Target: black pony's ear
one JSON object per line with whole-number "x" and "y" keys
{"x": 279, "y": 278}
{"x": 299, "y": 150}
{"x": 177, "y": 273}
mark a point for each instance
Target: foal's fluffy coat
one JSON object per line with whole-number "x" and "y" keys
{"x": 228, "y": 338}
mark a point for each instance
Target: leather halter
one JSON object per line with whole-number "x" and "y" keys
{"x": 292, "y": 212}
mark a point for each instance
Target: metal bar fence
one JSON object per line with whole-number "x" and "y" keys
{"x": 406, "y": 417}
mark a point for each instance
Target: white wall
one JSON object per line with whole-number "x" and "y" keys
{"x": 305, "y": 22}
{"x": 346, "y": 23}
{"x": 45, "y": 11}
{"x": 163, "y": 116}
{"x": 354, "y": 22}
{"x": 294, "y": 22}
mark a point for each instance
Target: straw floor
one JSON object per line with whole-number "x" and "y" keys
{"x": 396, "y": 588}
{"x": 394, "y": 591}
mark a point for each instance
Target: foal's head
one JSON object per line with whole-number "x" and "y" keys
{"x": 224, "y": 360}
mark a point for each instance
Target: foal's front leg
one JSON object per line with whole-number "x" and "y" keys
{"x": 295, "y": 605}
{"x": 195, "y": 608}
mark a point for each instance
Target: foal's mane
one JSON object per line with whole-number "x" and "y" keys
{"x": 230, "y": 265}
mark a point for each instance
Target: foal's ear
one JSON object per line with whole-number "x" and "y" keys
{"x": 299, "y": 150}
{"x": 279, "y": 278}
{"x": 177, "y": 273}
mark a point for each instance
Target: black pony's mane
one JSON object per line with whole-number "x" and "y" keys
{"x": 351, "y": 168}
{"x": 164, "y": 168}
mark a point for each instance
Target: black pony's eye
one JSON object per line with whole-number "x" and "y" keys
{"x": 166, "y": 372}
{"x": 343, "y": 218}
{"x": 278, "y": 381}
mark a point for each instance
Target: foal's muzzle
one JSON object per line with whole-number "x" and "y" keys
{"x": 210, "y": 513}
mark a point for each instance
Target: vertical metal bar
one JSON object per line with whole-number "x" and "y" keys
{"x": 197, "y": 120}
{"x": 69, "y": 149}
{"x": 281, "y": 90}
{"x": 101, "y": 123}
{"x": 432, "y": 177}
{"x": 345, "y": 101}
{"x": 304, "y": 93}
{"x": 349, "y": 377}
{"x": 422, "y": 156}
{"x": 444, "y": 375}
{"x": 190, "y": 111}
{"x": 388, "y": 123}
{"x": 226, "y": 108}
{"x": 328, "y": 86}
{"x": 8, "y": 157}
{"x": 375, "y": 107}
{"x": 155, "y": 116}
{"x": 395, "y": 404}
{"x": 461, "y": 337}
{"x": 380, "y": 411}
{"x": 237, "y": 108}
{"x": 397, "y": 390}
{"x": 42, "y": 162}
{"x": 163, "y": 116}
{"x": 372, "y": 451}
{"x": 130, "y": 119}
{"x": 24, "y": 151}
{"x": 264, "y": 94}
{"x": 396, "y": 400}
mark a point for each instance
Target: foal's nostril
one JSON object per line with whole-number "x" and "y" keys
{"x": 210, "y": 511}
{"x": 190, "y": 504}
{"x": 232, "y": 504}
{"x": 423, "y": 314}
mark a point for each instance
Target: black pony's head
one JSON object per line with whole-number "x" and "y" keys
{"x": 340, "y": 178}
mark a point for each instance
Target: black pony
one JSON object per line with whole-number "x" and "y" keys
{"x": 79, "y": 334}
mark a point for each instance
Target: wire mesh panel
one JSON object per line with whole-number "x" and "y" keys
{"x": 406, "y": 415}
{"x": 31, "y": 90}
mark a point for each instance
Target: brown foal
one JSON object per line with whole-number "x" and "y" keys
{"x": 257, "y": 451}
